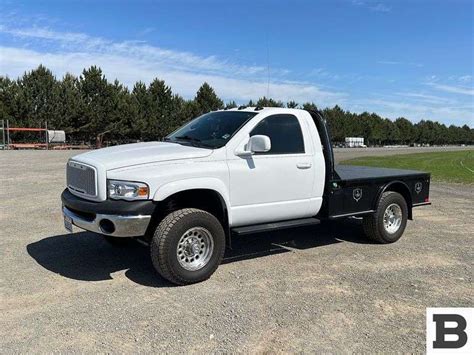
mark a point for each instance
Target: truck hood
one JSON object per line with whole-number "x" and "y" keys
{"x": 122, "y": 156}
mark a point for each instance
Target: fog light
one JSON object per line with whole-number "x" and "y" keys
{"x": 107, "y": 226}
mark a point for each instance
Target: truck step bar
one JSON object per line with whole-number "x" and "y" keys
{"x": 267, "y": 227}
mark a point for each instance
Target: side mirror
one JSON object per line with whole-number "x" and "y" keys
{"x": 256, "y": 144}
{"x": 259, "y": 144}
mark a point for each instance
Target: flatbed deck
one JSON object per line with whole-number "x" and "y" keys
{"x": 354, "y": 173}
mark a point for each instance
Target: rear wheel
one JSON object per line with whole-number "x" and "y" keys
{"x": 388, "y": 222}
{"x": 188, "y": 246}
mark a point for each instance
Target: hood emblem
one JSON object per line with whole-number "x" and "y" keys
{"x": 357, "y": 194}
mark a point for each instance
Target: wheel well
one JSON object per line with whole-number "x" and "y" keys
{"x": 403, "y": 190}
{"x": 204, "y": 199}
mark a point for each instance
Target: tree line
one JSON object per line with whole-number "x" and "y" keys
{"x": 91, "y": 109}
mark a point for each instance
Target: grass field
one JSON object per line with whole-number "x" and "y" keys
{"x": 443, "y": 166}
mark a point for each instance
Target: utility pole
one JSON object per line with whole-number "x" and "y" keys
{"x": 3, "y": 134}
{"x": 47, "y": 135}
{"x": 8, "y": 135}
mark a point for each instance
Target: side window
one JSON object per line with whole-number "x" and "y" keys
{"x": 284, "y": 132}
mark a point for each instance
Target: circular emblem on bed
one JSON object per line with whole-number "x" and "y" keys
{"x": 418, "y": 187}
{"x": 357, "y": 194}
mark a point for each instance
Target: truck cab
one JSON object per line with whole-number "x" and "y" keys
{"x": 230, "y": 172}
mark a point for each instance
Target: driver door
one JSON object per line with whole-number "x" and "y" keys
{"x": 277, "y": 184}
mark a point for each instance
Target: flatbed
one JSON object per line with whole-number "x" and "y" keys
{"x": 355, "y": 190}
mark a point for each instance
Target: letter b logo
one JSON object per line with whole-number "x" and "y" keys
{"x": 449, "y": 330}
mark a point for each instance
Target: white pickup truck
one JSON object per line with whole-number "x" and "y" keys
{"x": 231, "y": 172}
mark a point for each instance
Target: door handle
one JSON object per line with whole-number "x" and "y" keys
{"x": 303, "y": 165}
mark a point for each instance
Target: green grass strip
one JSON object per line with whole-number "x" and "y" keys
{"x": 444, "y": 166}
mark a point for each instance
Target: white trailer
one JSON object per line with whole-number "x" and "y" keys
{"x": 354, "y": 142}
{"x": 56, "y": 136}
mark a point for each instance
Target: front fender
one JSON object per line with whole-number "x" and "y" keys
{"x": 208, "y": 183}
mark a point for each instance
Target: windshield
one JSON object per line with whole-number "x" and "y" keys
{"x": 211, "y": 130}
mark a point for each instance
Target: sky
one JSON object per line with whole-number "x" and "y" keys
{"x": 398, "y": 58}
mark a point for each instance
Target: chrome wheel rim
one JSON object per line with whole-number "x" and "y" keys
{"x": 195, "y": 248}
{"x": 392, "y": 218}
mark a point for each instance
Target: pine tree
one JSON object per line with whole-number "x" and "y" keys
{"x": 310, "y": 106}
{"x": 8, "y": 93}
{"x": 207, "y": 100}
{"x": 230, "y": 104}
{"x": 69, "y": 107}
{"x": 405, "y": 129}
{"x": 264, "y": 102}
{"x": 120, "y": 115}
{"x": 96, "y": 94}
{"x": 292, "y": 104}
{"x": 161, "y": 109}
{"x": 141, "y": 103}
{"x": 37, "y": 96}
{"x": 186, "y": 111}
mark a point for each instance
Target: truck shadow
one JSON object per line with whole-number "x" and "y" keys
{"x": 88, "y": 257}
{"x": 263, "y": 244}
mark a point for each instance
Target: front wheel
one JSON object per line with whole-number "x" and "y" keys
{"x": 388, "y": 222}
{"x": 188, "y": 245}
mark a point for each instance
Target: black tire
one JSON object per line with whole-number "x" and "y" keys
{"x": 164, "y": 244}
{"x": 117, "y": 241}
{"x": 374, "y": 224}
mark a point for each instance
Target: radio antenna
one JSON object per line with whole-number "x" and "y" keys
{"x": 268, "y": 67}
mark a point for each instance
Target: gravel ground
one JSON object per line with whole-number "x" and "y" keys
{"x": 322, "y": 289}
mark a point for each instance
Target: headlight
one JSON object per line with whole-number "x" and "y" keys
{"x": 127, "y": 190}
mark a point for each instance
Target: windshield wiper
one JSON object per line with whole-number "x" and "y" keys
{"x": 188, "y": 138}
{"x": 182, "y": 138}
{"x": 196, "y": 142}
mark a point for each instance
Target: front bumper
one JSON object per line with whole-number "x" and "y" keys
{"x": 108, "y": 224}
{"x": 114, "y": 218}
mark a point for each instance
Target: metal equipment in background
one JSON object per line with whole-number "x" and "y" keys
{"x": 46, "y": 137}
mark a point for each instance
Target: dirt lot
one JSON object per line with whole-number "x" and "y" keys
{"x": 322, "y": 289}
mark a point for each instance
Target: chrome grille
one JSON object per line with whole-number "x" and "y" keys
{"x": 81, "y": 178}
